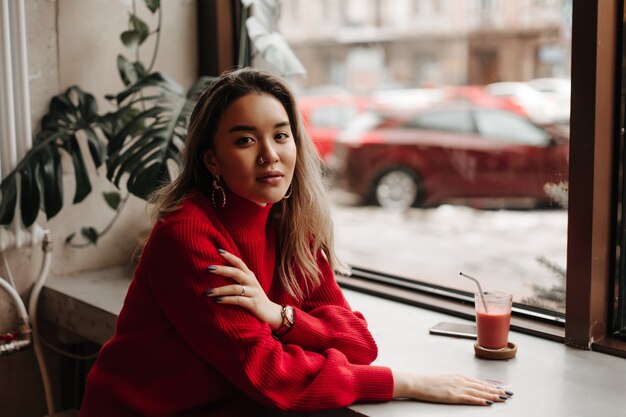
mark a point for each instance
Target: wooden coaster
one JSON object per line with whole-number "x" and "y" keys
{"x": 496, "y": 354}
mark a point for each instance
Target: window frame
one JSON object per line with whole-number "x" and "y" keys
{"x": 592, "y": 194}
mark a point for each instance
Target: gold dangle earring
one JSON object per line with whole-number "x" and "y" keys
{"x": 217, "y": 187}
{"x": 289, "y": 192}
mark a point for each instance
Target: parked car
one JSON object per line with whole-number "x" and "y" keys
{"x": 539, "y": 108}
{"x": 326, "y": 115}
{"x": 559, "y": 92}
{"x": 478, "y": 96}
{"x": 452, "y": 151}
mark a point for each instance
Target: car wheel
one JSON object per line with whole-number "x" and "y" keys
{"x": 397, "y": 189}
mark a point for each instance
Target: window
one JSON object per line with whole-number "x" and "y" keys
{"x": 453, "y": 121}
{"x": 410, "y": 248}
{"x": 505, "y": 126}
{"x": 459, "y": 200}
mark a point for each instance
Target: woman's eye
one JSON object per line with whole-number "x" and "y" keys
{"x": 244, "y": 140}
{"x": 281, "y": 136}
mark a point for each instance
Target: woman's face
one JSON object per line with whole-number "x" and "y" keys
{"x": 255, "y": 152}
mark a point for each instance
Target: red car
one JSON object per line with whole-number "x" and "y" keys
{"x": 451, "y": 151}
{"x": 325, "y": 116}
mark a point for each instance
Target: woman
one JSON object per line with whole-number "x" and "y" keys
{"x": 233, "y": 306}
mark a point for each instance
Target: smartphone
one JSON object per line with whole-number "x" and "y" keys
{"x": 467, "y": 331}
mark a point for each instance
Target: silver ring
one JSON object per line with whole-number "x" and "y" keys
{"x": 243, "y": 291}
{"x": 261, "y": 160}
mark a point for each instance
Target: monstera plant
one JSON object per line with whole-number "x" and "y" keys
{"x": 135, "y": 141}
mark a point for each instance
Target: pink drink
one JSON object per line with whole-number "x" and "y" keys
{"x": 493, "y": 325}
{"x": 493, "y": 329}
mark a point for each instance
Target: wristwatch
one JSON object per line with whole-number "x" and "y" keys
{"x": 289, "y": 318}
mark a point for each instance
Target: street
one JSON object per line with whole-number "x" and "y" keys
{"x": 498, "y": 247}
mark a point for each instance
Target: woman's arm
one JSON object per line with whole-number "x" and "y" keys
{"x": 325, "y": 320}
{"x": 239, "y": 345}
{"x": 446, "y": 388}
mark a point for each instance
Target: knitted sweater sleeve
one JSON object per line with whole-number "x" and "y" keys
{"x": 235, "y": 342}
{"x": 326, "y": 321}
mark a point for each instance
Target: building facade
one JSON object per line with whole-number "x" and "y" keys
{"x": 365, "y": 45}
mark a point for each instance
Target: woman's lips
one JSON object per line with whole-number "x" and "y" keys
{"x": 274, "y": 177}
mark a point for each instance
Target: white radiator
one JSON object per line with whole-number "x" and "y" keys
{"x": 15, "y": 116}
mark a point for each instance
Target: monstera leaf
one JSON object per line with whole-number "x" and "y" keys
{"x": 72, "y": 115}
{"x": 147, "y": 130}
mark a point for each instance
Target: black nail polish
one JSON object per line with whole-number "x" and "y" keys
{"x": 489, "y": 402}
{"x": 208, "y": 292}
{"x": 217, "y": 299}
{"x": 211, "y": 268}
{"x": 502, "y": 397}
{"x": 508, "y": 392}
{"x": 222, "y": 251}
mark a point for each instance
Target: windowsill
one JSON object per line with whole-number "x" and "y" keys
{"x": 547, "y": 377}
{"x": 525, "y": 325}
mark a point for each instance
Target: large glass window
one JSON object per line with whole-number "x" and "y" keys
{"x": 482, "y": 194}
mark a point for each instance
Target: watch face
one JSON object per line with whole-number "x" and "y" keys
{"x": 289, "y": 314}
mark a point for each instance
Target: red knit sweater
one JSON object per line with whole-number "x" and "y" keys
{"x": 176, "y": 352}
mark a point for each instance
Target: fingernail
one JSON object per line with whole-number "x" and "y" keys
{"x": 208, "y": 292}
{"x": 508, "y": 392}
{"x": 222, "y": 251}
{"x": 211, "y": 268}
{"x": 502, "y": 397}
{"x": 217, "y": 299}
{"x": 488, "y": 402}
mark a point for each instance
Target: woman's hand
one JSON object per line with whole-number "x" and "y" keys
{"x": 446, "y": 388}
{"x": 247, "y": 292}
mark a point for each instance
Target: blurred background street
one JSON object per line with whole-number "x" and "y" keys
{"x": 499, "y": 247}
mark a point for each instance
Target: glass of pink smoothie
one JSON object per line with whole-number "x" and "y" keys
{"x": 492, "y": 322}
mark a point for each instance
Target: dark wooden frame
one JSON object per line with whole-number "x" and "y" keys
{"x": 592, "y": 220}
{"x": 219, "y": 27}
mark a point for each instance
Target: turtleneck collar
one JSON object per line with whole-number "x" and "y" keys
{"x": 241, "y": 217}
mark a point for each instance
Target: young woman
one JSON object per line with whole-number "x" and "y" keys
{"x": 233, "y": 308}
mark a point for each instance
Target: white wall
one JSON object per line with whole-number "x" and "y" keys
{"x": 76, "y": 42}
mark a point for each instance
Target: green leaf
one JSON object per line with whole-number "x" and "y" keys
{"x": 69, "y": 237}
{"x": 140, "y": 27}
{"x": 113, "y": 199}
{"x": 126, "y": 70}
{"x": 131, "y": 39}
{"x": 156, "y": 80}
{"x": 29, "y": 194}
{"x": 90, "y": 234}
{"x": 140, "y": 70}
{"x": 140, "y": 156}
{"x": 51, "y": 174}
{"x": 153, "y": 5}
{"x": 40, "y": 169}
{"x": 95, "y": 147}
{"x": 8, "y": 187}
{"x": 146, "y": 180}
{"x": 83, "y": 185}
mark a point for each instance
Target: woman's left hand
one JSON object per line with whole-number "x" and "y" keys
{"x": 247, "y": 292}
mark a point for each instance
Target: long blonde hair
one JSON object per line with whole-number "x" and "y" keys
{"x": 305, "y": 226}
